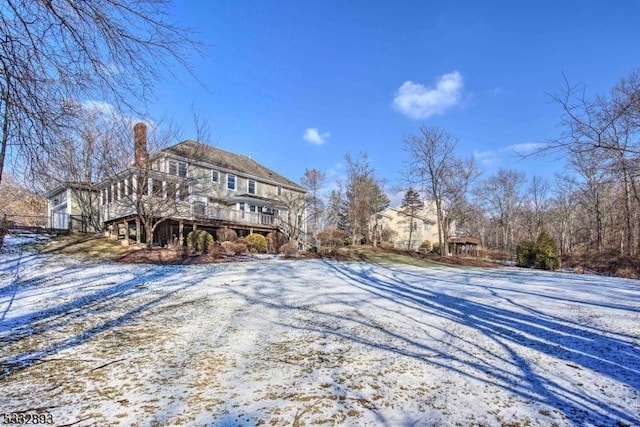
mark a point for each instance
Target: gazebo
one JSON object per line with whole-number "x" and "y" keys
{"x": 464, "y": 245}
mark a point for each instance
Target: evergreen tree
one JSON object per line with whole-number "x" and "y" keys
{"x": 411, "y": 204}
{"x": 336, "y": 216}
{"x": 546, "y": 252}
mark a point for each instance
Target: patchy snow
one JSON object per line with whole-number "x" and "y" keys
{"x": 277, "y": 342}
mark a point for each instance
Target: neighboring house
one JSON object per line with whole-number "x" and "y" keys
{"x": 194, "y": 186}
{"x": 73, "y": 206}
{"x": 397, "y": 222}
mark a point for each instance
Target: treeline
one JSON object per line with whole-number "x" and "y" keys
{"x": 591, "y": 208}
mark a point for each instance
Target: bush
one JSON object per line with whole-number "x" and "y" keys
{"x": 214, "y": 252}
{"x": 240, "y": 248}
{"x": 525, "y": 254}
{"x": 257, "y": 243}
{"x": 274, "y": 241}
{"x": 388, "y": 235}
{"x": 332, "y": 238}
{"x": 546, "y": 252}
{"x": 541, "y": 254}
{"x": 199, "y": 241}
{"x": 289, "y": 249}
{"x": 425, "y": 246}
{"x": 226, "y": 235}
{"x": 228, "y": 248}
{"x": 435, "y": 248}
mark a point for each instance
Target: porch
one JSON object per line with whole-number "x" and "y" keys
{"x": 123, "y": 224}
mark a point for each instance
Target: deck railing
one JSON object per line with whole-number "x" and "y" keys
{"x": 232, "y": 215}
{"x": 196, "y": 212}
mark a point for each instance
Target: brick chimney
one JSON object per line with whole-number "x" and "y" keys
{"x": 140, "y": 144}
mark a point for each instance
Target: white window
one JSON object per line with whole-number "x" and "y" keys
{"x": 279, "y": 191}
{"x": 231, "y": 182}
{"x": 177, "y": 168}
{"x": 251, "y": 186}
{"x": 215, "y": 176}
{"x": 60, "y": 198}
{"x": 182, "y": 169}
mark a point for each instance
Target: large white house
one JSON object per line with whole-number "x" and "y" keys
{"x": 193, "y": 185}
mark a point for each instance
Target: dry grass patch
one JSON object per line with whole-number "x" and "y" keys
{"x": 84, "y": 246}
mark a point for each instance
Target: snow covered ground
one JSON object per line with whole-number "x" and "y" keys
{"x": 280, "y": 343}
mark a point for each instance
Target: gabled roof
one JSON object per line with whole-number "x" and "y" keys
{"x": 241, "y": 164}
{"x": 74, "y": 185}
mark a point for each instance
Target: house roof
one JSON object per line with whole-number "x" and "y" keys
{"x": 224, "y": 159}
{"x": 74, "y": 185}
{"x": 465, "y": 240}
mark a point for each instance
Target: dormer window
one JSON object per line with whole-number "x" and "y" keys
{"x": 215, "y": 176}
{"x": 251, "y": 187}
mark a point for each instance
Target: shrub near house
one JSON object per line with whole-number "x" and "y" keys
{"x": 257, "y": 243}
{"x": 199, "y": 241}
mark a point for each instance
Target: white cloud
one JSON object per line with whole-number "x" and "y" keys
{"x": 109, "y": 112}
{"x": 314, "y": 136}
{"x": 487, "y": 158}
{"x": 495, "y": 157}
{"x": 99, "y": 106}
{"x": 420, "y": 102}
{"x": 526, "y": 148}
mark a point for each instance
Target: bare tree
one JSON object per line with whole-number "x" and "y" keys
{"x": 502, "y": 197}
{"x": 56, "y": 54}
{"x": 606, "y": 128}
{"x": 313, "y": 180}
{"x": 432, "y": 152}
{"x": 563, "y": 213}
{"x": 460, "y": 175}
{"x": 536, "y": 205}
{"x": 293, "y": 225}
{"x": 364, "y": 197}
{"x": 143, "y": 189}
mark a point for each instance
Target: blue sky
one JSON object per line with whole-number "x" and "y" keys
{"x": 297, "y": 84}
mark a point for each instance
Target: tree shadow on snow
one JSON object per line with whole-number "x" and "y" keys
{"x": 497, "y": 360}
{"x": 83, "y": 316}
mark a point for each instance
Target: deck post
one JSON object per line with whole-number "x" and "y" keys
{"x": 138, "y": 234}
{"x": 181, "y": 233}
